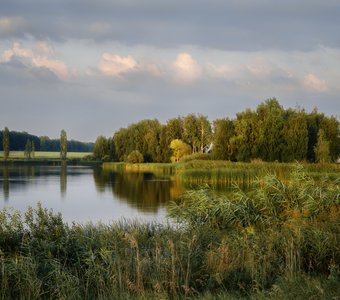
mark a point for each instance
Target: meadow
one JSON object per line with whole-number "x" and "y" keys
{"x": 44, "y": 155}
{"x": 277, "y": 240}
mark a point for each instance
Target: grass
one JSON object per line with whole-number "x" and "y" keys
{"x": 44, "y": 155}
{"x": 278, "y": 241}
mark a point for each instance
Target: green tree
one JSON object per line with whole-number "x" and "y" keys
{"x": 271, "y": 120}
{"x": 191, "y": 134}
{"x": 32, "y": 149}
{"x": 179, "y": 150}
{"x": 101, "y": 148}
{"x": 63, "y": 144}
{"x": 135, "y": 157}
{"x": 5, "y": 142}
{"x": 247, "y": 139}
{"x": 321, "y": 150}
{"x": 224, "y": 130}
{"x": 295, "y": 135}
{"x": 28, "y": 149}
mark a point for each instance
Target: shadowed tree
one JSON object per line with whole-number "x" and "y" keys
{"x": 5, "y": 142}
{"x": 224, "y": 130}
{"x": 63, "y": 144}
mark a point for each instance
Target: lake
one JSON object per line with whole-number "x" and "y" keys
{"x": 83, "y": 193}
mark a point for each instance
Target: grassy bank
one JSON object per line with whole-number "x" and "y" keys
{"x": 44, "y": 155}
{"x": 278, "y": 241}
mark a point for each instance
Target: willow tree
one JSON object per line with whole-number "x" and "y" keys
{"x": 63, "y": 144}
{"x": 5, "y": 142}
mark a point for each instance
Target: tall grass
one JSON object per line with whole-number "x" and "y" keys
{"x": 279, "y": 240}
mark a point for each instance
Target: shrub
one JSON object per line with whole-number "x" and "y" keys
{"x": 135, "y": 157}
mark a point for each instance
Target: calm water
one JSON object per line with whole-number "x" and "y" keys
{"x": 84, "y": 194}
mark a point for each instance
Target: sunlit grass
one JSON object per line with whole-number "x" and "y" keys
{"x": 44, "y": 155}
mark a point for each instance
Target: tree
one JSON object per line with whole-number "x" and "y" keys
{"x": 32, "y": 150}
{"x": 5, "y": 142}
{"x": 271, "y": 119}
{"x": 135, "y": 157}
{"x": 63, "y": 144}
{"x": 28, "y": 149}
{"x": 247, "y": 139}
{"x": 101, "y": 147}
{"x": 224, "y": 130}
{"x": 295, "y": 135}
{"x": 321, "y": 150}
{"x": 191, "y": 132}
{"x": 179, "y": 150}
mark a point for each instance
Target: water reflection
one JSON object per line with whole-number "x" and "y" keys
{"x": 63, "y": 179}
{"x": 144, "y": 191}
{"x": 5, "y": 182}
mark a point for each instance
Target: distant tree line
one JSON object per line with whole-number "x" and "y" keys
{"x": 268, "y": 133}
{"x": 18, "y": 142}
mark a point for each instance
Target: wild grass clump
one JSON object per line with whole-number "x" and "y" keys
{"x": 278, "y": 240}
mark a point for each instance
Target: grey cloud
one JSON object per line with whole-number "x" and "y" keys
{"x": 233, "y": 25}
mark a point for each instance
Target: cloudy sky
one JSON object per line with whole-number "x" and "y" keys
{"x": 92, "y": 67}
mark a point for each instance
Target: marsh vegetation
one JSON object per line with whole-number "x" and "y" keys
{"x": 279, "y": 239}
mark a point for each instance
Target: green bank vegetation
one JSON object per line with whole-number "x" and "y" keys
{"x": 279, "y": 240}
{"x": 43, "y": 155}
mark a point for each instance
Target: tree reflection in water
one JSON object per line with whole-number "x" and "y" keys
{"x": 63, "y": 178}
{"x": 144, "y": 191}
{"x": 5, "y": 182}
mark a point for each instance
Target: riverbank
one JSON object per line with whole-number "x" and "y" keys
{"x": 47, "y": 158}
{"x": 277, "y": 241}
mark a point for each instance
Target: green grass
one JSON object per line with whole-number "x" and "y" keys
{"x": 44, "y": 155}
{"x": 277, "y": 241}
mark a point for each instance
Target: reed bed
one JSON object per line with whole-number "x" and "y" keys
{"x": 277, "y": 240}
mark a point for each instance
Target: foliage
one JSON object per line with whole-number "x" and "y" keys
{"x": 6, "y": 143}
{"x": 135, "y": 157}
{"x": 179, "y": 150}
{"x": 321, "y": 149}
{"x": 63, "y": 144}
{"x": 28, "y": 149}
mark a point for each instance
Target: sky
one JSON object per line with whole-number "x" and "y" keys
{"x": 92, "y": 67}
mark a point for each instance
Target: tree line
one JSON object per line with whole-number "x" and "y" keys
{"x": 268, "y": 133}
{"x": 18, "y": 141}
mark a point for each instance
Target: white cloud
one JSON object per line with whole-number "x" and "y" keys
{"x": 42, "y": 57}
{"x": 312, "y": 82}
{"x": 115, "y": 65}
{"x": 186, "y": 68}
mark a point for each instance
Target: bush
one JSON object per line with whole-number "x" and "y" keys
{"x": 135, "y": 157}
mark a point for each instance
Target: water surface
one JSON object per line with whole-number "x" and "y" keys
{"x": 83, "y": 193}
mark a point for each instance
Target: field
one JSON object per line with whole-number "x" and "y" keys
{"x": 277, "y": 240}
{"x": 44, "y": 155}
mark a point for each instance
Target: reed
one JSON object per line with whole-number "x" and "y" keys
{"x": 277, "y": 240}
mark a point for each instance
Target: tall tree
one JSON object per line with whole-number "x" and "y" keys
{"x": 247, "y": 139}
{"x": 224, "y": 130}
{"x": 271, "y": 120}
{"x": 191, "y": 132}
{"x": 5, "y": 142}
{"x": 322, "y": 153}
{"x": 295, "y": 135}
{"x": 28, "y": 149}
{"x": 101, "y": 148}
{"x": 33, "y": 149}
{"x": 63, "y": 144}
